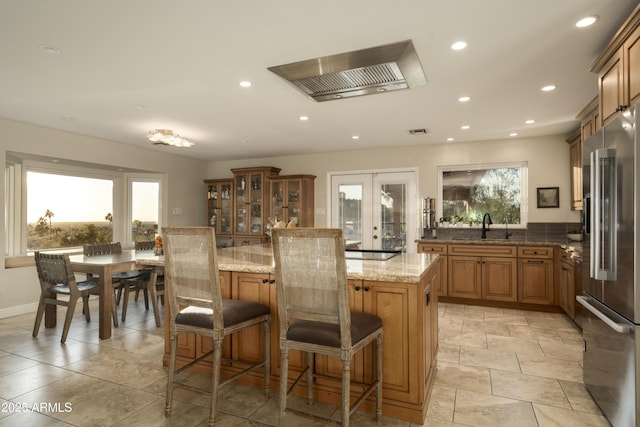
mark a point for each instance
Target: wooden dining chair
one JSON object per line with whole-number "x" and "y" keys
{"x": 314, "y": 314}
{"x": 56, "y": 278}
{"x": 196, "y": 306}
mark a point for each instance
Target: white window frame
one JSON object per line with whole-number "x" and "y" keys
{"x": 16, "y": 199}
{"x": 524, "y": 185}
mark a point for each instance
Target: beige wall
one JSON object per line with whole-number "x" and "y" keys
{"x": 18, "y": 286}
{"x": 548, "y": 159}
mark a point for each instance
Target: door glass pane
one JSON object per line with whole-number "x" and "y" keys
{"x": 350, "y": 211}
{"x": 393, "y": 218}
{"x": 144, "y": 210}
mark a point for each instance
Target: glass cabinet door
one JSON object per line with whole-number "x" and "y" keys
{"x": 241, "y": 184}
{"x": 255, "y": 204}
{"x": 293, "y": 201}
{"x": 225, "y": 206}
{"x": 212, "y": 211}
{"x": 277, "y": 200}
{"x": 219, "y": 204}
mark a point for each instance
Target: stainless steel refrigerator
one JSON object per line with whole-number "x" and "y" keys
{"x": 611, "y": 315}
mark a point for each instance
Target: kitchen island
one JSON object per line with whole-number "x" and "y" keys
{"x": 400, "y": 290}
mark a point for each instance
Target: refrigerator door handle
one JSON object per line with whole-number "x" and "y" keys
{"x": 603, "y": 216}
{"x": 618, "y": 327}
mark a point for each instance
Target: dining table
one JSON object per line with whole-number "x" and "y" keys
{"x": 104, "y": 266}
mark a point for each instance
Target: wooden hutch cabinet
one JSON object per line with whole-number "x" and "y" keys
{"x": 291, "y": 199}
{"x": 239, "y": 207}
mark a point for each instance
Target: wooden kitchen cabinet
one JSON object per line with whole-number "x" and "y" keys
{"x": 484, "y": 272}
{"x": 618, "y": 69}
{"x": 535, "y": 275}
{"x": 575, "y": 170}
{"x": 220, "y": 205}
{"x": 440, "y": 249}
{"x": 251, "y": 192}
{"x": 567, "y": 284}
{"x": 291, "y": 199}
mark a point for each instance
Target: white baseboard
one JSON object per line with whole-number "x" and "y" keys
{"x": 17, "y": 310}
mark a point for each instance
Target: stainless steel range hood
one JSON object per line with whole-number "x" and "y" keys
{"x": 362, "y": 72}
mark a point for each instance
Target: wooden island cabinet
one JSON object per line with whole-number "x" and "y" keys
{"x": 400, "y": 290}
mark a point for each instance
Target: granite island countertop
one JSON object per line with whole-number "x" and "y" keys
{"x": 405, "y": 268}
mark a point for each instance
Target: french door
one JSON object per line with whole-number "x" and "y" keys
{"x": 377, "y": 209}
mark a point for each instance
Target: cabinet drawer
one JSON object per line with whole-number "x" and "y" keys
{"x": 439, "y": 248}
{"x": 544, "y": 252}
{"x": 482, "y": 250}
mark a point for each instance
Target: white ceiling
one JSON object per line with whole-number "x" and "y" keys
{"x": 127, "y": 67}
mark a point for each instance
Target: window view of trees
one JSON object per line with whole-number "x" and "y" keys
{"x": 468, "y": 194}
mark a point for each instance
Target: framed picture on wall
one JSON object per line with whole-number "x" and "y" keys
{"x": 548, "y": 197}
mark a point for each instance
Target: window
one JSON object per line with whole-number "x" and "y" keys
{"x": 468, "y": 192}
{"x": 66, "y": 210}
{"x": 57, "y": 205}
{"x": 145, "y": 200}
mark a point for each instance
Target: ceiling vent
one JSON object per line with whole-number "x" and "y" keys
{"x": 362, "y": 72}
{"x": 421, "y": 131}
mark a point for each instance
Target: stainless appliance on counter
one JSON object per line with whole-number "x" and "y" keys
{"x": 610, "y": 318}
{"x": 428, "y": 216}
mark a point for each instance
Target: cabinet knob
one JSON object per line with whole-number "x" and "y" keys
{"x": 366, "y": 289}
{"x": 357, "y": 288}
{"x": 265, "y": 280}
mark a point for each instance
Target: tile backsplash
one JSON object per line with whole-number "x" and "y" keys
{"x": 553, "y": 232}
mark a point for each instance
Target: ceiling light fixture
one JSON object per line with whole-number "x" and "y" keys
{"x": 548, "y": 88}
{"x": 513, "y": 134}
{"x": 459, "y": 45}
{"x": 530, "y": 121}
{"x": 585, "y": 22}
{"x": 355, "y": 137}
{"x": 245, "y": 83}
{"x": 465, "y": 127}
{"x": 450, "y": 139}
{"x": 303, "y": 118}
{"x": 464, "y": 99}
{"x": 168, "y": 137}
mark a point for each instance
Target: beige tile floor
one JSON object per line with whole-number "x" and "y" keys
{"x": 496, "y": 367}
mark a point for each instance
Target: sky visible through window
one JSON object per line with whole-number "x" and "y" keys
{"x": 79, "y": 199}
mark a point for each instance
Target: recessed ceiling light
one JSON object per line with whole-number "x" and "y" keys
{"x": 585, "y": 22}
{"x": 530, "y": 121}
{"x": 449, "y": 139}
{"x": 51, "y": 50}
{"x": 465, "y": 127}
{"x": 245, "y": 83}
{"x": 459, "y": 45}
{"x": 548, "y": 88}
{"x": 513, "y": 134}
{"x": 303, "y": 118}
{"x": 355, "y": 137}
{"x": 140, "y": 107}
{"x": 464, "y": 99}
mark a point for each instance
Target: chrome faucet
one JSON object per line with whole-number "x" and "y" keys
{"x": 486, "y": 222}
